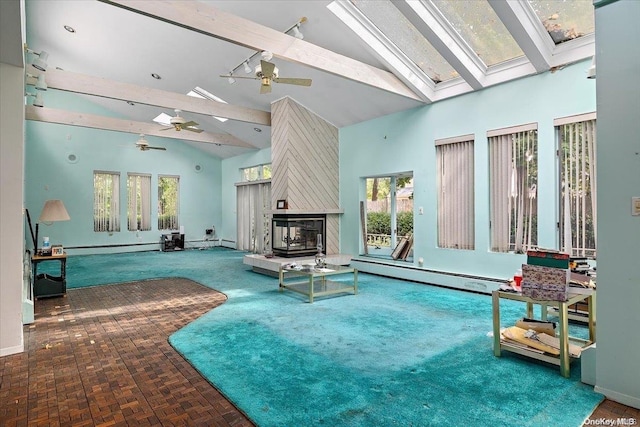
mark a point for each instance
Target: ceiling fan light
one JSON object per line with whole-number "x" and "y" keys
{"x": 266, "y": 55}
{"x": 247, "y": 68}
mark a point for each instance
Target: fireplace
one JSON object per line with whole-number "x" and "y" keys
{"x": 297, "y": 235}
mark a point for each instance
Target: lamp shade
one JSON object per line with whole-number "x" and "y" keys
{"x": 54, "y": 210}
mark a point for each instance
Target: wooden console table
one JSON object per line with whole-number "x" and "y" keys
{"x": 316, "y": 283}
{"x": 49, "y": 286}
{"x": 563, "y": 331}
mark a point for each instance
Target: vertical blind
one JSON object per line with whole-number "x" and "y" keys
{"x": 168, "y": 202}
{"x": 254, "y": 220}
{"x": 578, "y": 188}
{"x": 513, "y": 171}
{"x": 455, "y": 176}
{"x": 106, "y": 201}
{"x": 138, "y": 202}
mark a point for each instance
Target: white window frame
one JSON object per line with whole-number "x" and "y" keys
{"x": 577, "y": 214}
{"x": 455, "y": 180}
{"x": 138, "y": 202}
{"x": 174, "y": 222}
{"x": 513, "y": 159}
{"x": 106, "y": 201}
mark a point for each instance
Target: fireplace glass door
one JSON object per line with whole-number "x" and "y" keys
{"x": 297, "y": 235}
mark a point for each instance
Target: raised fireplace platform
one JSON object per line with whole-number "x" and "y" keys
{"x": 271, "y": 266}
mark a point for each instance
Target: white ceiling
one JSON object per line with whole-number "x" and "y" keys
{"x": 124, "y": 46}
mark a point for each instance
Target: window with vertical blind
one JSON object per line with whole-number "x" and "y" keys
{"x": 455, "y": 180}
{"x": 577, "y": 162}
{"x": 138, "y": 202}
{"x": 106, "y": 201}
{"x": 168, "y": 202}
{"x": 254, "y": 220}
{"x": 513, "y": 182}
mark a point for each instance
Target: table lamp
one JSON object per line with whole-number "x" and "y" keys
{"x": 52, "y": 211}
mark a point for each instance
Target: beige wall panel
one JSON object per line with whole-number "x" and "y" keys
{"x": 304, "y": 159}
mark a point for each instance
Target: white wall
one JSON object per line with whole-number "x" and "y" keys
{"x": 618, "y": 99}
{"x": 11, "y": 202}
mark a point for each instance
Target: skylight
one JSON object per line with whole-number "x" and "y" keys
{"x": 477, "y": 23}
{"x": 565, "y": 20}
{"x": 163, "y": 119}
{"x": 199, "y": 92}
{"x": 444, "y": 48}
{"x": 397, "y": 28}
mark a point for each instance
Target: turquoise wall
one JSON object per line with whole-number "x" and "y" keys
{"x": 49, "y": 175}
{"x": 405, "y": 142}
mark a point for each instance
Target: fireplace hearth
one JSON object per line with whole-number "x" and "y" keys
{"x": 297, "y": 235}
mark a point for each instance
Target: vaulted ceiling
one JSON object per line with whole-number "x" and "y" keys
{"x": 366, "y": 58}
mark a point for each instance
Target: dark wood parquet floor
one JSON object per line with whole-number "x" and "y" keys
{"x": 100, "y": 357}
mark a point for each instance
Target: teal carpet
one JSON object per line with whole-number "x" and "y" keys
{"x": 398, "y": 353}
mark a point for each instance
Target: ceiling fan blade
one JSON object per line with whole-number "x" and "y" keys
{"x": 169, "y": 128}
{"x": 267, "y": 68}
{"x": 293, "y": 81}
{"x": 188, "y": 124}
{"x": 191, "y": 129}
{"x": 265, "y": 89}
{"x": 243, "y": 77}
{"x": 155, "y": 148}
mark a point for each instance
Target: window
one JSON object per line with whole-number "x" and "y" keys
{"x": 256, "y": 173}
{"x": 139, "y": 202}
{"x": 254, "y": 221}
{"x": 168, "y": 202}
{"x": 455, "y": 192}
{"x": 513, "y": 181}
{"x": 106, "y": 201}
{"x": 576, "y": 153}
{"x": 389, "y": 212}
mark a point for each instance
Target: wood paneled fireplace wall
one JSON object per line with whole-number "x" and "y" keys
{"x": 304, "y": 160}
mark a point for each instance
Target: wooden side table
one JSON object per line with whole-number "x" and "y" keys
{"x": 49, "y": 286}
{"x": 563, "y": 334}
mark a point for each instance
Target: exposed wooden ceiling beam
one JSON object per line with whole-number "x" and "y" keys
{"x": 98, "y": 86}
{"x": 52, "y": 115}
{"x": 200, "y": 17}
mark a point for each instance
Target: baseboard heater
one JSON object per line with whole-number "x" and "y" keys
{"x": 467, "y": 282}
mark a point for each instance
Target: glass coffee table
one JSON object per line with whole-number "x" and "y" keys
{"x": 316, "y": 283}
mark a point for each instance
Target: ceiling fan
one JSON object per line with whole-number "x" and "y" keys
{"x": 267, "y": 72}
{"x": 178, "y": 123}
{"x": 143, "y": 144}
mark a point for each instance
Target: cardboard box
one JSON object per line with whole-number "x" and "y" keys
{"x": 545, "y": 283}
{"x": 548, "y": 258}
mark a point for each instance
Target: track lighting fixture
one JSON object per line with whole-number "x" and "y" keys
{"x": 265, "y": 54}
{"x": 296, "y": 32}
{"x": 37, "y": 102}
{"x": 40, "y": 84}
{"x": 40, "y": 63}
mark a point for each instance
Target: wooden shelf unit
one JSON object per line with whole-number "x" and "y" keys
{"x": 563, "y": 360}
